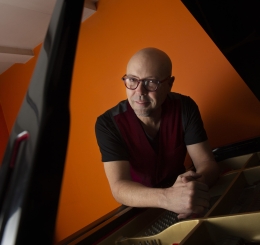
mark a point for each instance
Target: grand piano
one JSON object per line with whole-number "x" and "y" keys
{"x": 234, "y": 214}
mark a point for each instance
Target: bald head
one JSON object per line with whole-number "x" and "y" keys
{"x": 150, "y": 61}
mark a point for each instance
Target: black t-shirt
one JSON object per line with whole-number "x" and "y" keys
{"x": 112, "y": 145}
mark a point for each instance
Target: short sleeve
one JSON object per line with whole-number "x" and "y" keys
{"x": 194, "y": 131}
{"x": 110, "y": 142}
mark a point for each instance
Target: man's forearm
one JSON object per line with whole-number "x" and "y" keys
{"x": 184, "y": 198}
{"x": 204, "y": 162}
{"x": 135, "y": 194}
{"x": 210, "y": 172}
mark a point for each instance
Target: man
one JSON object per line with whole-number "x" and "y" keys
{"x": 143, "y": 141}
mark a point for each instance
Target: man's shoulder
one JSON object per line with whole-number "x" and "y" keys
{"x": 178, "y": 96}
{"x": 117, "y": 109}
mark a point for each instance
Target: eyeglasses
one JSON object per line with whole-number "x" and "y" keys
{"x": 148, "y": 83}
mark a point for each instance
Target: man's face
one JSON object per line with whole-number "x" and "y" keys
{"x": 143, "y": 102}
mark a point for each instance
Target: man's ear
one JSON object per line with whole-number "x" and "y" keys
{"x": 171, "y": 80}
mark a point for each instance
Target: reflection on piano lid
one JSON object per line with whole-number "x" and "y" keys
{"x": 234, "y": 26}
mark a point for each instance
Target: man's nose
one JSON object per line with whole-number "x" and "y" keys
{"x": 140, "y": 88}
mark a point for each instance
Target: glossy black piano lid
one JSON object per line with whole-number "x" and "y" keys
{"x": 234, "y": 26}
{"x": 32, "y": 168}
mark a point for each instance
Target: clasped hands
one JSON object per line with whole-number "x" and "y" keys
{"x": 188, "y": 195}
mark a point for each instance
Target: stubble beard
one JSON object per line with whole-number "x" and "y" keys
{"x": 142, "y": 112}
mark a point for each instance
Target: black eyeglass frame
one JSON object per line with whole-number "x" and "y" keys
{"x": 143, "y": 81}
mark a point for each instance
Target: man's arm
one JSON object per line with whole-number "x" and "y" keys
{"x": 185, "y": 198}
{"x": 204, "y": 162}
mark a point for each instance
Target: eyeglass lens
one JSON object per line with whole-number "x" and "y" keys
{"x": 149, "y": 84}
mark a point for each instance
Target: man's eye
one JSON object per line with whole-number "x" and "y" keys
{"x": 131, "y": 79}
{"x": 150, "y": 81}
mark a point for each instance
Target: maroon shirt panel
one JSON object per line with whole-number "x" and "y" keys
{"x": 148, "y": 167}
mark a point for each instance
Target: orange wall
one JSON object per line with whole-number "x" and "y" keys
{"x": 107, "y": 40}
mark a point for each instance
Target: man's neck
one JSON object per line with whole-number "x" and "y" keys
{"x": 151, "y": 124}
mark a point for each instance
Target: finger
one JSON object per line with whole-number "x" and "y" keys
{"x": 183, "y": 216}
{"x": 202, "y": 198}
{"x": 200, "y": 210}
{"x": 186, "y": 179}
{"x": 204, "y": 195}
{"x": 202, "y": 201}
{"x": 194, "y": 201}
{"x": 180, "y": 181}
{"x": 196, "y": 211}
{"x": 187, "y": 176}
{"x": 191, "y": 174}
{"x": 197, "y": 185}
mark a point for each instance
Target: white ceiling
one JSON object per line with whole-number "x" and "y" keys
{"x": 23, "y": 24}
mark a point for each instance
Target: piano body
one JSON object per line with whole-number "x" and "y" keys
{"x": 226, "y": 219}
